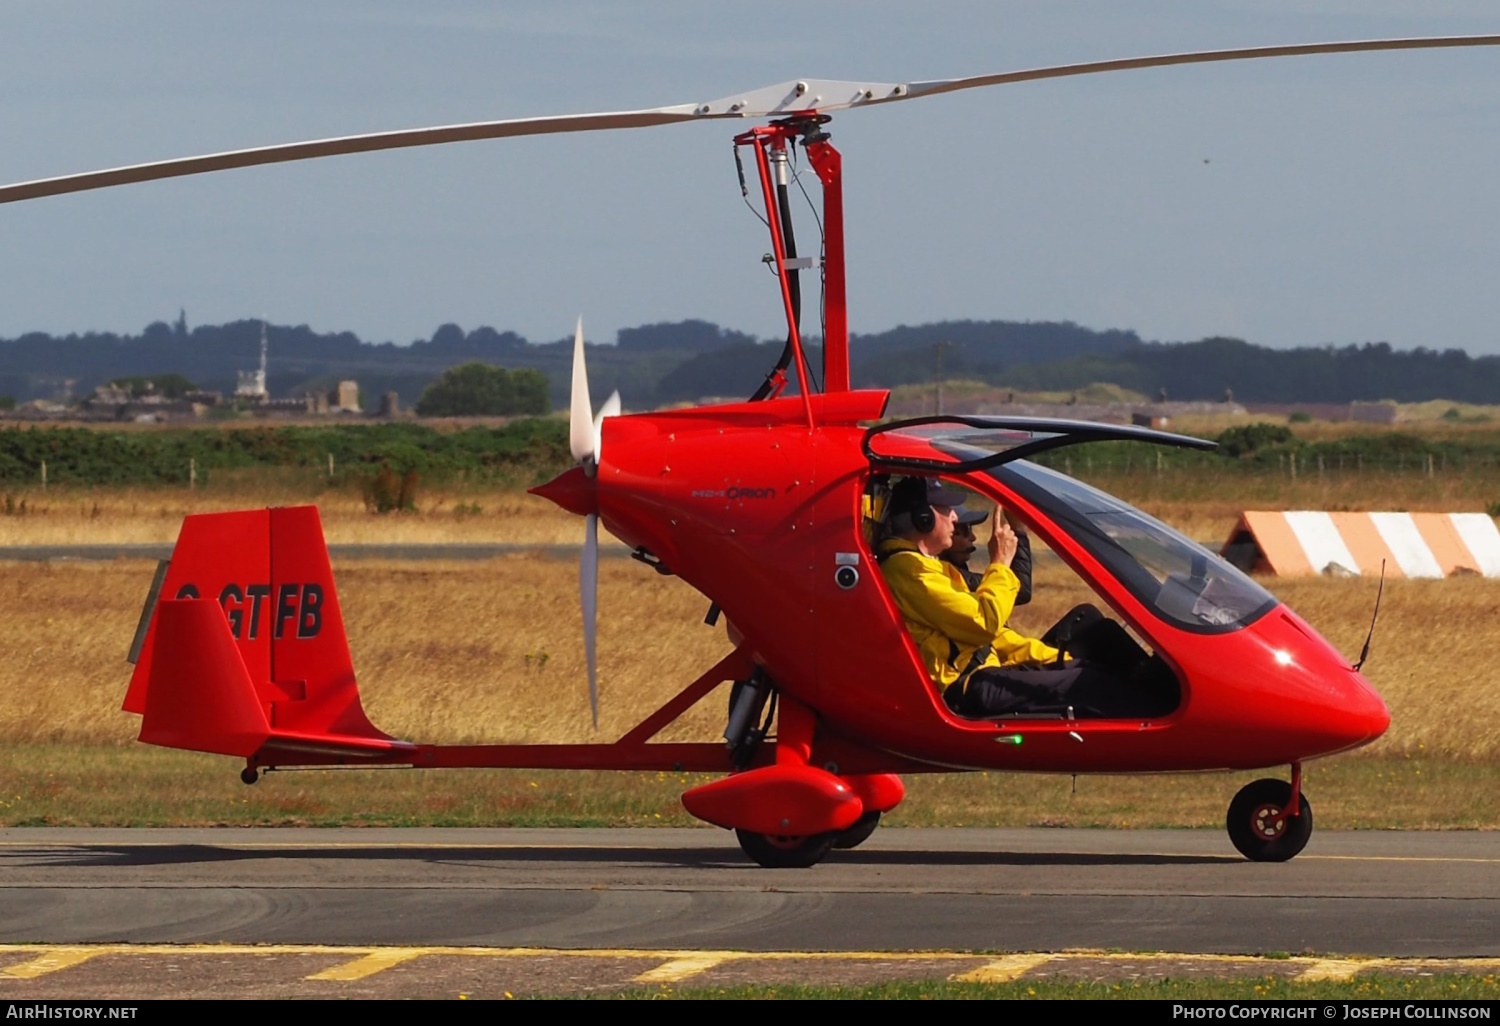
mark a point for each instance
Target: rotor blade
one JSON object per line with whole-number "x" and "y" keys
{"x": 580, "y": 410}
{"x": 801, "y": 96}
{"x": 588, "y": 595}
{"x": 916, "y": 89}
{"x": 611, "y": 408}
{"x": 286, "y": 152}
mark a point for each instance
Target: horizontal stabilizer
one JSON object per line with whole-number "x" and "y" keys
{"x": 199, "y": 695}
{"x": 334, "y": 744}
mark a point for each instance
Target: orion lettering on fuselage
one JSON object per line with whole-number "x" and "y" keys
{"x": 734, "y": 493}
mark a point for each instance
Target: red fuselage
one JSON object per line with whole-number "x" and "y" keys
{"x": 760, "y": 514}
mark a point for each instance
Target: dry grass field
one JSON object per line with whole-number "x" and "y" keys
{"x": 491, "y": 652}
{"x": 1202, "y": 504}
{"x": 118, "y": 516}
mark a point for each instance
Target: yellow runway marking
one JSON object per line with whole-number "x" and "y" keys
{"x": 1393, "y": 858}
{"x": 374, "y": 962}
{"x": 679, "y": 969}
{"x": 1337, "y": 969}
{"x": 55, "y": 959}
{"x": 677, "y": 965}
{"x": 1003, "y": 970}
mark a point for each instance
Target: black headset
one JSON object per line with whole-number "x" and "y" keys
{"x": 923, "y": 518}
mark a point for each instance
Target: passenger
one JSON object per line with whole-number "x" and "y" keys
{"x": 964, "y": 544}
{"x": 980, "y": 666}
{"x": 1085, "y": 632}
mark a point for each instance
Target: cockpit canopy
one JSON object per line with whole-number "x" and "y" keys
{"x": 1182, "y": 582}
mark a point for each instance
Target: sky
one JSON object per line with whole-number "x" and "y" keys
{"x": 1301, "y": 201}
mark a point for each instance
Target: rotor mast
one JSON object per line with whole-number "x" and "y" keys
{"x": 771, "y": 144}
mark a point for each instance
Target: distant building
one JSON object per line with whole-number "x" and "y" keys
{"x": 346, "y": 397}
{"x": 252, "y": 384}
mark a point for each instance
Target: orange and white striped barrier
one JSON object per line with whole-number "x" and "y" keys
{"x": 1296, "y": 542}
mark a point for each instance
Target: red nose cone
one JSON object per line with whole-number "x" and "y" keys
{"x": 1367, "y": 712}
{"x": 573, "y": 490}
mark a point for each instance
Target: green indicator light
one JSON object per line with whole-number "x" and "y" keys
{"x": 1008, "y": 739}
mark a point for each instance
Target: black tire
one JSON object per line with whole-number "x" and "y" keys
{"x": 775, "y": 851}
{"x": 1251, "y": 822}
{"x": 859, "y": 833}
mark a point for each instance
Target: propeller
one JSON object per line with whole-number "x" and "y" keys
{"x": 801, "y": 96}
{"x": 585, "y": 439}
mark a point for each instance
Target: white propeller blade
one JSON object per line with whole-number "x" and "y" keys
{"x": 611, "y": 408}
{"x": 770, "y": 101}
{"x": 584, "y": 430}
{"x": 581, "y": 410}
{"x": 588, "y": 593}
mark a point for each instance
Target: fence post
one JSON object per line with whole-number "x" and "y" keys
{"x": 1292, "y": 461}
{"x": 192, "y": 472}
{"x": 44, "y": 477}
{"x": 330, "y": 466}
{"x": 1429, "y": 464}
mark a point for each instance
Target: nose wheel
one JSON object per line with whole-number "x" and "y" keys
{"x": 1259, "y": 826}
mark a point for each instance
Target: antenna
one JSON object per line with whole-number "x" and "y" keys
{"x": 1364, "y": 653}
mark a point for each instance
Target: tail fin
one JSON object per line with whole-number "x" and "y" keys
{"x": 278, "y": 615}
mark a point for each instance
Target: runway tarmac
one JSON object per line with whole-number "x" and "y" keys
{"x": 1360, "y": 894}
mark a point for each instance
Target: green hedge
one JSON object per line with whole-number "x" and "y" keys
{"x": 86, "y": 456}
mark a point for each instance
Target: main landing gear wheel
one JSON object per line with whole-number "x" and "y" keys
{"x": 859, "y": 833}
{"x": 777, "y": 851}
{"x": 1257, "y": 827}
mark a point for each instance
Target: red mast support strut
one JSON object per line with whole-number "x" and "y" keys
{"x": 829, "y": 165}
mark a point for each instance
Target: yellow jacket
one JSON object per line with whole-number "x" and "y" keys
{"x": 950, "y": 623}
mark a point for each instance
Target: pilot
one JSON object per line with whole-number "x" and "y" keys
{"x": 980, "y": 666}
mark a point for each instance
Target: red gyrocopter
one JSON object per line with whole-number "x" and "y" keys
{"x": 763, "y": 506}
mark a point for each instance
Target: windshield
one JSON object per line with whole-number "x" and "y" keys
{"x": 1184, "y": 583}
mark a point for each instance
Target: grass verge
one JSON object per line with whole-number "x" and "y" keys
{"x": 140, "y": 786}
{"x": 1374, "y": 987}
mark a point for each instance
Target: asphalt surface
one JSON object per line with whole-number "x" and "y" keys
{"x": 1358, "y": 894}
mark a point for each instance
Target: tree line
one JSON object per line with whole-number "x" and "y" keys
{"x": 681, "y": 361}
